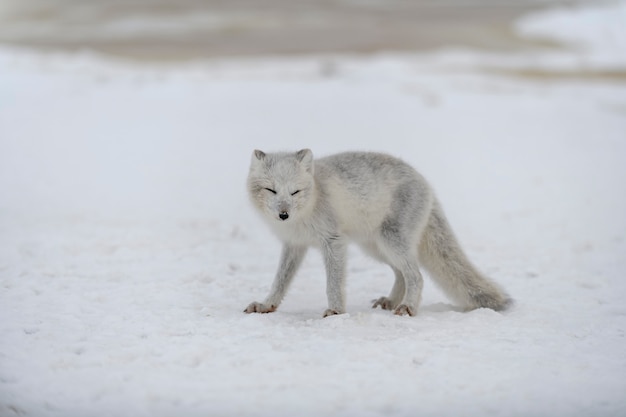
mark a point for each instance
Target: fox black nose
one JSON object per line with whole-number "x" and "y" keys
{"x": 283, "y": 215}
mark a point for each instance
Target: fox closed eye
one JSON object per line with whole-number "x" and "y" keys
{"x": 274, "y": 192}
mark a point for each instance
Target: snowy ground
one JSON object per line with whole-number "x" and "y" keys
{"x": 128, "y": 249}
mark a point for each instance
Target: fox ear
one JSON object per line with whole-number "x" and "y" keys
{"x": 305, "y": 157}
{"x": 257, "y": 161}
{"x": 260, "y": 155}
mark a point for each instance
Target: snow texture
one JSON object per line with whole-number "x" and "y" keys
{"x": 128, "y": 249}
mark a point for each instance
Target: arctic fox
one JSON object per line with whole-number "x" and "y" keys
{"x": 375, "y": 200}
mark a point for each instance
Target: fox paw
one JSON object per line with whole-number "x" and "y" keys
{"x": 259, "y": 308}
{"x": 404, "y": 309}
{"x": 385, "y": 303}
{"x": 331, "y": 312}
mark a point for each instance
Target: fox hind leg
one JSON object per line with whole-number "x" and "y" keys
{"x": 396, "y": 295}
{"x": 413, "y": 283}
{"x": 397, "y": 246}
{"x": 397, "y": 240}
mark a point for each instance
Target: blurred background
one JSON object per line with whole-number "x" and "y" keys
{"x": 128, "y": 246}
{"x": 187, "y": 29}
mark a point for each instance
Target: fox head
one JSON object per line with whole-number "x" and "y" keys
{"x": 281, "y": 185}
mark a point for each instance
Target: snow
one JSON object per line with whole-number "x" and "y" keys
{"x": 596, "y": 32}
{"x": 128, "y": 249}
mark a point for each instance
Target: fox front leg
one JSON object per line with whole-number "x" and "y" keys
{"x": 334, "y": 251}
{"x": 290, "y": 261}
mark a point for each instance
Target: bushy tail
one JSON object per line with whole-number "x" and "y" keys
{"x": 442, "y": 256}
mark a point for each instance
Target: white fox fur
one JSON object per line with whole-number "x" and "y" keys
{"x": 376, "y": 201}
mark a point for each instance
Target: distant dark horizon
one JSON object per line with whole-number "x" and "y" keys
{"x": 190, "y": 29}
